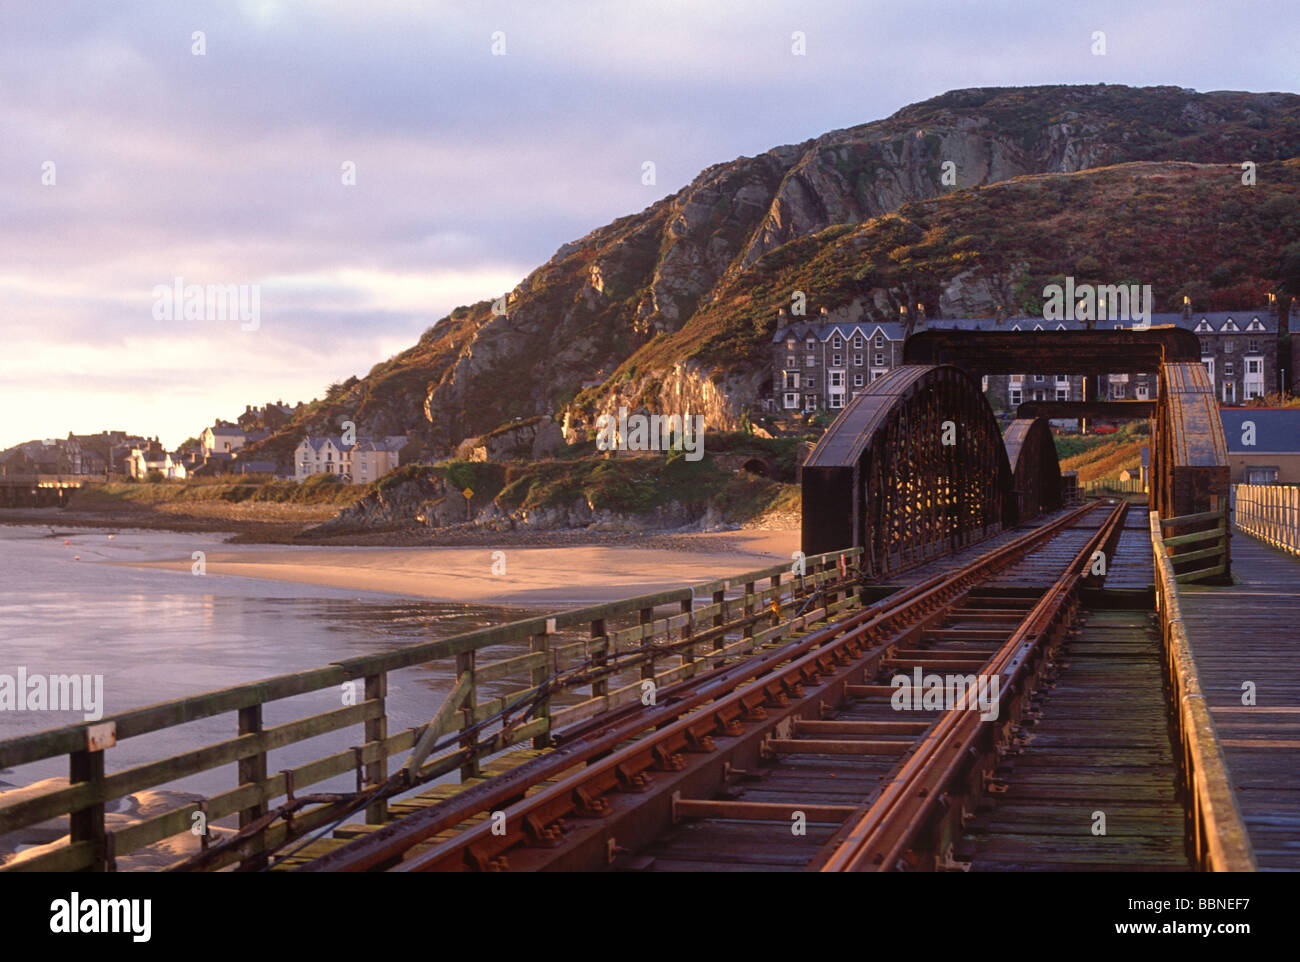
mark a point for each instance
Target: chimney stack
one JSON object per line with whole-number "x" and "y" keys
{"x": 1187, "y": 308}
{"x": 1283, "y": 315}
{"x": 1000, "y": 316}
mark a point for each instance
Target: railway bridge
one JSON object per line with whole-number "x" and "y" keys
{"x": 965, "y": 669}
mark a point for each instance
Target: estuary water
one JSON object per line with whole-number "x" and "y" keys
{"x": 155, "y": 635}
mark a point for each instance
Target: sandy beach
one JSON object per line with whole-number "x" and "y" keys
{"x": 575, "y": 574}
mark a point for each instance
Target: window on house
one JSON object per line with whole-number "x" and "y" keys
{"x": 810, "y": 402}
{"x": 810, "y": 381}
{"x": 790, "y": 361}
{"x": 837, "y": 379}
{"x": 880, "y": 340}
{"x": 876, "y": 374}
{"x": 1253, "y": 345}
{"x": 857, "y": 343}
{"x": 810, "y": 344}
{"x": 880, "y": 359}
{"x": 1229, "y": 368}
{"x": 1038, "y": 379}
{"x": 1253, "y": 367}
{"x": 810, "y": 360}
{"x": 837, "y": 360}
{"x": 1261, "y": 475}
{"x": 791, "y": 401}
{"x": 857, "y": 360}
{"x": 1227, "y": 346}
{"x": 1117, "y": 391}
{"x": 1063, "y": 394}
{"x": 1017, "y": 395}
{"x": 1142, "y": 392}
{"x": 837, "y": 400}
{"x": 1205, "y": 345}
{"x": 837, "y": 343}
{"x": 857, "y": 380}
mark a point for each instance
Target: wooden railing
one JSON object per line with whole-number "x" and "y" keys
{"x": 1197, "y": 544}
{"x": 577, "y": 664}
{"x": 1218, "y": 834}
{"x": 1270, "y": 513}
{"x": 1115, "y": 486}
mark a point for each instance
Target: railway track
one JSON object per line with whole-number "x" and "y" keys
{"x": 809, "y": 756}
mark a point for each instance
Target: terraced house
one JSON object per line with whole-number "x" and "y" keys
{"x": 821, "y": 365}
{"x": 360, "y": 462}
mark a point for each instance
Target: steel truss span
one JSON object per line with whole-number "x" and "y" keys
{"x": 914, "y": 468}
{"x": 1035, "y": 469}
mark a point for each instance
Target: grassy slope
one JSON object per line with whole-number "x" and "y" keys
{"x": 1100, "y": 456}
{"x": 1107, "y": 225}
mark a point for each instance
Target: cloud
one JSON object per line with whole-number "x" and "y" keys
{"x": 471, "y": 168}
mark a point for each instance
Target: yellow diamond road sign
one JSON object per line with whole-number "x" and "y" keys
{"x": 469, "y": 493}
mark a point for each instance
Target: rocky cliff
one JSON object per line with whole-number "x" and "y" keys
{"x": 654, "y": 296}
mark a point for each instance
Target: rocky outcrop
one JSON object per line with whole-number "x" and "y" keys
{"x": 581, "y": 515}
{"x": 528, "y": 440}
{"x": 611, "y": 298}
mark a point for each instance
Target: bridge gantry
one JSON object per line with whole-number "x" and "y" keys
{"x": 887, "y": 477}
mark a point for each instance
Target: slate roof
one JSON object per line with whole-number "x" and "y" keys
{"x": 823, "y": 330}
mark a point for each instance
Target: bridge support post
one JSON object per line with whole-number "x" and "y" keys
{"x": 87, "y": 825}
{"x": 541, "y": 644}
{"x": 647, "y": 617}
{"x": 252, "y": 771}
{"x": 599, "y": 687}
{"x": 465, "y": 666}
{"x": 376, "y": 733}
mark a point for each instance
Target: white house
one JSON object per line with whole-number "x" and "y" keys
{"x": 144, "y": 460}
{"x": 222, "y": 439}
{"x": 364, "y": 461}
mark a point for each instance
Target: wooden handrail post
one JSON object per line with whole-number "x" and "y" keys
{"x": 600, "y": 687}
{"x": 465, "y": 666}
{"x": 541, "y": 644}
{"x": 688, "y": 631}
{"x": 252, "y": 771}
{"x": 376, "y": 732}
{"x": 87, "y": 824}
{"x": 748, "y": 630}
{"x": 719, "y": 619}
{"x": 647, "y": 617}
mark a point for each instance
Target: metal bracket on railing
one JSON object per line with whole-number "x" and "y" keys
{"x": 359, "y": 757}
{"x": 206, "y": 833}
{"x": 288, "y": 798}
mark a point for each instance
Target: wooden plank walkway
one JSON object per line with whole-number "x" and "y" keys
{"x": 1250, "y": 632}
{"x": 1099, "y": 746}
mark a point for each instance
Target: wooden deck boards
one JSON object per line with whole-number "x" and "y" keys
{"x": 1101, "y": 745}
{"x": 1250, "y": 632}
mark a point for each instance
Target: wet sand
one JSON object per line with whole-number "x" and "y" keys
{"x": 528, "y": 575}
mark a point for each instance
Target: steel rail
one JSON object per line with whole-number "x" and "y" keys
{"x": 875, "y": 838}
{"x": 735, "y": 694}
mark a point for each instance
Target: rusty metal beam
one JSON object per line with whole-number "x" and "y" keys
{"x": 1117, "y": 410}
{"x": 1060, "y": 352}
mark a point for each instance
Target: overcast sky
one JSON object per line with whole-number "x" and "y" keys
{"x": 470, "y": 168}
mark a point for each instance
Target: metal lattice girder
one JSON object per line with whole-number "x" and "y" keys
{"x": 914, "y": 467}
{"x": 1035, "y": 469}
